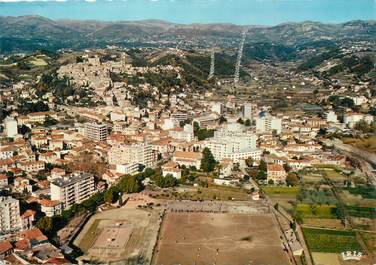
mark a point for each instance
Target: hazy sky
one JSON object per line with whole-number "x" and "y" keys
{"x": 266, "y": 12}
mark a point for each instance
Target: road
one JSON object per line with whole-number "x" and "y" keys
{"x": 366, "y": 159}
{"x": 298, "y": 231}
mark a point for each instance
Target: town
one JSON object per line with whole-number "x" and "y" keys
{"x": 104, "y": 155}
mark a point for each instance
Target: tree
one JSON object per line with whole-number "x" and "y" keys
{"x": 130, "y": 184}
{"x": 262, "y": 166}
{"x": 45, "y": 224}
{"x": 292, "y": 179}
{"x": 207, "y": 162}
{"x": 222, "y": 120}
{"x": 109, "y": 196}
{"x": 261, "y": 175}
{"x": 249, "y": 162}
{"x": 49, "y": 121}
{"x": 148, "y": 172}
{"x": 240, "y": 120}
{"x": 248, "y": 123}
{"x": 203, "y": 134}
{"x": 165, "y": 182}
{"x": 364, "y": 127}
{"x": 196, "y": 127}
{"x": 293, "y": 225}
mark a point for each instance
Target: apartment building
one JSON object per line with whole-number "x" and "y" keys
{"x": 331, "y": 116}
{"x": 266, "y": 123}
{"x": 141, "y": 153}
{"x": 234, "y": 145}
{"x": 95, "y": 131}
{"x": 185, "y": 133}
{"x": 11, "y": 128}
{"x": 9, "y": 214}
{"x": 73, "y": 189}
{"x": 247, "y": 111}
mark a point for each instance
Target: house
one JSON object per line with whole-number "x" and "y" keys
{"x": 225, "y": 167}
{"x": 3, "y": 180}
{"x": 6, "y": 249}
{"x": 27, "y": 219}
{"x": 6, "y": 164}
{"x": 276, "y": 173}
{"x": 50, "y": 207}
{"x": 299, "y": 164}
{"x": 57, "y": 173}
{"x": 171, "y": 168}
{"x": 34, "y": 237}
{"x": 31, "y": 166}
{"x": 22, "y": 184}
{"x": 226, "y": 182}
{"x": 188, "y": 159}
{"x": 336, "y": 160}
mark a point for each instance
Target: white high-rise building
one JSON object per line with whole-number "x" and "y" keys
{"x": 131, "y": 154}
{"x": 73, "y": 189}
{"x": 218, "y": 108}
{"x": 247, "y": 111}
{"x": 95, "y": 132}
{"x": 9, "y": 214}
{"x": 331, "y": 116}
{"x": 266, "y": 123}
{"x": 11, "y": 128}
{"x": 233, "y": 144}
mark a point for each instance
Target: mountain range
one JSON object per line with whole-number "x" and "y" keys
{"x": 30, "y": 33}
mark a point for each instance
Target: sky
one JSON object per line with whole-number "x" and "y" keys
{"x": 243, "y": 12}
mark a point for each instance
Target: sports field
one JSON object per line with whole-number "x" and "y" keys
{"x": 119, "y": 235}
{"x": 219, "y": 238}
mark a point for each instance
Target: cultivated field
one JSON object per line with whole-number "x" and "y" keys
{"x": 112, "y": 235}
{"x": 284, "y": 196}
{"x": 331, "y": 241}
{"x": 219, "y": 238}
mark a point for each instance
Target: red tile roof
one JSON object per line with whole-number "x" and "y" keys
{"x": 5, "y": 247}
{"x": 28, "y": 214}
{"x": 33, "y": 234}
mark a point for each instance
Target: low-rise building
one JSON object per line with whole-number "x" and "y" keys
{"x": 276, "y": 173}
{"x": 51, "y": 208}
{"x": 31, "y": 166}
{"x": 3, "y": 180}
{"x": 188, "y": 159}
{"x": 171, "y": 168}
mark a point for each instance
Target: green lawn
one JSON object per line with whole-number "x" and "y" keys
{"x": 331, "y": 241}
